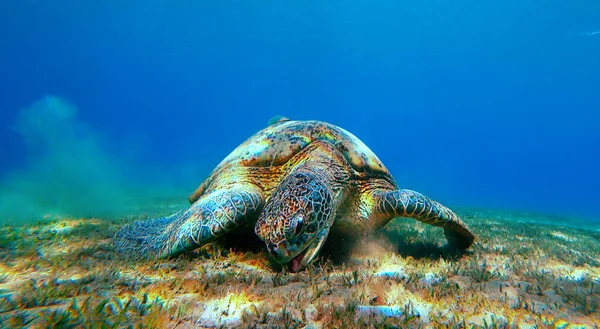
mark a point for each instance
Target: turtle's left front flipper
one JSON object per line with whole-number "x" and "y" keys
{"x": 210, "y": 217}
{"x": 408, "y": 203}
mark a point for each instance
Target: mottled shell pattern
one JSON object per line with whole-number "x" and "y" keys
{"x": 265, "y": 158}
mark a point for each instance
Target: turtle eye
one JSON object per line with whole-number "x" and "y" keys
{"x": 298, "y": 225}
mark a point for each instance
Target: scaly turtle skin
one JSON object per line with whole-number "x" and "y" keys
{"x": 293, "y": 181}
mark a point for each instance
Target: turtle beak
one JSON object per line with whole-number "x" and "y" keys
{"x": 302, "y": 260}
{"x": 279, "y": 252}
{"x": 298, "y": 259}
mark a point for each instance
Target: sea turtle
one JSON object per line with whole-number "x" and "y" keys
{"x": 292, "y": 182}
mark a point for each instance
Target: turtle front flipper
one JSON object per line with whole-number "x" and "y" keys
{"x": 407, "y": 203}
{"x": 208, "y": 218}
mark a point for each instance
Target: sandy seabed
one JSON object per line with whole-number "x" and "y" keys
{"x": 524, "y": 271}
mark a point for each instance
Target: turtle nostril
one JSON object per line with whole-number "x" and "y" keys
{"x": 272, "y": 246}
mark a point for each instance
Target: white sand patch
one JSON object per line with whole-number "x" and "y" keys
{"x": 226, "y": 311}
{"x": 562, "y": 324}
{"x": 387, "y": 311}
{"x": 487, "y": 319}
{"x": 397, "y": 295}
{"x": 562, "y": 236}
{"x": 567, "y": 272}
{"x": 430, "y": 279}
{"x": 499, "y": 248}
{"x": 392, "y": 266}
{"x": 60, "y": 228}
{"x": 576, "y": 275}
{"x": 392, "y": 271}
{"x": 66, "y": 226}
{"x": 13, "y": 281}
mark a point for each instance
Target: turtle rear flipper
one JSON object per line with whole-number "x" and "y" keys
{"x": 208, "y": 218}
{"x": 146, "y": 238}
{"x": 407, "y": 203}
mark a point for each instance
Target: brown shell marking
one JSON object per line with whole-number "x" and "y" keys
{"x": 275, "y": 145}
{"x": 278, "y": 143}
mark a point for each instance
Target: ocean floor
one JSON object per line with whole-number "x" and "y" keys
{"x": 524, "y": 271}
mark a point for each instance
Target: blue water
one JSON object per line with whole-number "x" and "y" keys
{"x": 490, "y": 104}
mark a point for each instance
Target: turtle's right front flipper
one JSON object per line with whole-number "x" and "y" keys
{"x": 208, "y": 218}
{"x": 408, "y": 203}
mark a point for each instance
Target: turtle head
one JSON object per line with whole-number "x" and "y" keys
{"x": 296, "y": 220}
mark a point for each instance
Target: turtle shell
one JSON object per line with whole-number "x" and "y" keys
{"x": 275, "y": 145}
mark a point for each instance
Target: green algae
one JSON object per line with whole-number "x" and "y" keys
{"x": 65, "y": 273}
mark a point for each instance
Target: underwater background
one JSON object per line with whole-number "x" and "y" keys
{"x": 115, "y": 111}
{"x": 107, "y": 106}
